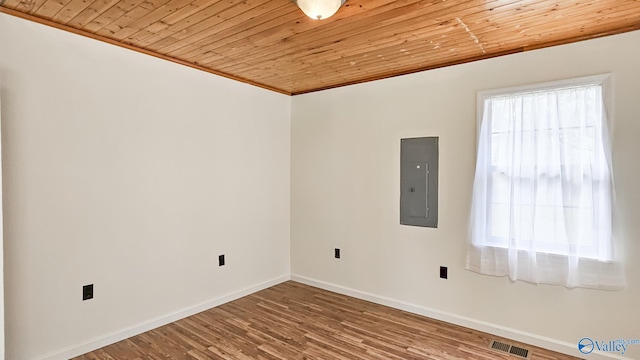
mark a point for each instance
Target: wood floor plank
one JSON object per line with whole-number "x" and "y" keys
{"x": 294, "y": 321}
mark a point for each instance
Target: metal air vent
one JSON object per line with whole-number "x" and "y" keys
{"x": 509, "y": 349}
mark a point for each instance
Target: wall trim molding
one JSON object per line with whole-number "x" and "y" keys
{"x": 163, "y": 320}
{"x": 494, "y": 329}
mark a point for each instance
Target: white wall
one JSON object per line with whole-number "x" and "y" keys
{"x": 345, "y": 194}
{"x": 133, "y": 174}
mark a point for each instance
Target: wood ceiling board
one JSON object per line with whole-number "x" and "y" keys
{"x": 377, "y": 33}
{"x": 169, "y": 24}
{"x": 279, "y": 34}
{"x": 255, "y": 27}
{"x": 272, "y": 44}
{"x": 111, "y": 14}
{"x": 91, "y": 12}
{"x": 135, "y": 25}
{"x": 341, "y": 35}
{"x": 201, "y": 20}
{"x": 140, "y": 11}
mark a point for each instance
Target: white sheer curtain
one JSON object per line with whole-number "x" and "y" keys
{"x": 542, "y": 197}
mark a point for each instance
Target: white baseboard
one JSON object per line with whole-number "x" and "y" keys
{"x": 498, "y": 330}
{"x": 152, "y": 324}
{"x": 494, "y": 329}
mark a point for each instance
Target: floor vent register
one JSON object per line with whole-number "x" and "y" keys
{"x": 509, "y": 349}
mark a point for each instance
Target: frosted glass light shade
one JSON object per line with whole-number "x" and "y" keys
{"x": 319, "y": 9}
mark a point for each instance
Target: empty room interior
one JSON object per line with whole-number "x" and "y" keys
{"x": 320, "y": 179}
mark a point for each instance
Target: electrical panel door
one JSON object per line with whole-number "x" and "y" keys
{"x": 419, "y": 181}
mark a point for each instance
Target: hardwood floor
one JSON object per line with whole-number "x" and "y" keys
{"x": 296, "y": 321}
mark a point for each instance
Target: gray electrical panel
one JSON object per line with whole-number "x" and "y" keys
{"x": 419, "y": 182}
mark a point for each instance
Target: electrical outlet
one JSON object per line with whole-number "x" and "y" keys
{"x": 443, "y": 272}
{"x": 87, "y": 292}
{"x": 336, "y": 253}
{"x": 221, "y": 260}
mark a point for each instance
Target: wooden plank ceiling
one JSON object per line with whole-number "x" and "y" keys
{"x": 272, "y": 44}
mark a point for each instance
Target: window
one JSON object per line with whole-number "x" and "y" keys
{"x": 542, "y": 195}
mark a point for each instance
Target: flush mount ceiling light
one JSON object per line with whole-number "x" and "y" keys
{"x": 319, "y": 9}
